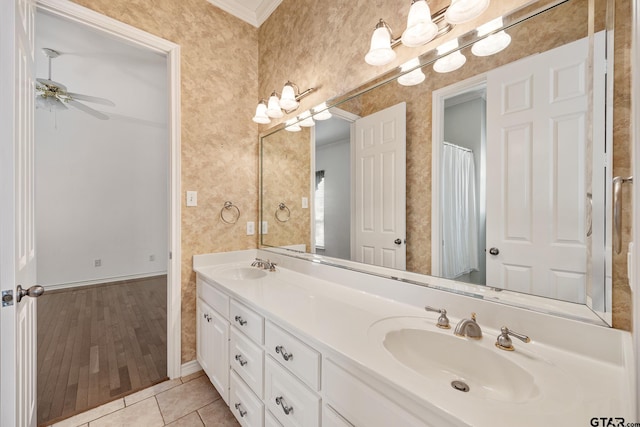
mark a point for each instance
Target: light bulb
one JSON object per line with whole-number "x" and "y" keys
{"x": 261, "y": 113}
{"x": 292, "y": 126}
{"x": 288, "y": 98}
{"x": 465, "y": 10}
{"x": 380, "y": 52}
{"x": 420, "y": 28}
{"x": 492, "y": 44}
{"x": 414, "y": 77}
{"x": 306, "y": 120}
{"x": 449, "y": 63}
{"x": 273, "y": 107}
{"x": 321, "y": 112}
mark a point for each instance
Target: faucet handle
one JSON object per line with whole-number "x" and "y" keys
{"x": 443, "y": 320}
{"x": 504, "y": 341}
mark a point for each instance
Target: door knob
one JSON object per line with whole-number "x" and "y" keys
{"x": 33, "y": 292}
{"x": 494, "y": 251}
{"x": 397, "y": 242}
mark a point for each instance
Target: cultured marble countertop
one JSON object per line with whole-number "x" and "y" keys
{"x": 570, "y": 388}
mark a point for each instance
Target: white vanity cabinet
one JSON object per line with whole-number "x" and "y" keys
{"x": 273, "y": 378}
{"x": 212, "y": 337}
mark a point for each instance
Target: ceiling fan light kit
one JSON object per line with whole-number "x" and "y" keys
{"x": 54, "y": 96}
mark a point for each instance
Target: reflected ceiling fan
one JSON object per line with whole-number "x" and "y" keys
{"x": 54, "y": 95}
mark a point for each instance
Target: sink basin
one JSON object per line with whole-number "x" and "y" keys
{"x": 444, "y": 358}
{"x": 241, "y": 273}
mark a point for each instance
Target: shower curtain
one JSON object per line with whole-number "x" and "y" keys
{"x": 459, "y": 215}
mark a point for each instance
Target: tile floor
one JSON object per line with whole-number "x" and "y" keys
{"x": 184, "y": 402}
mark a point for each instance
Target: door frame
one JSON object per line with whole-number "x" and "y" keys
{"x": 437, "y": 134}
{"x": 87, "y": 17}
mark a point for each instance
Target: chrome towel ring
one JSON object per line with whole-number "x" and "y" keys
{"x": 283, "y": 213}
{"x": 231, "y": 218}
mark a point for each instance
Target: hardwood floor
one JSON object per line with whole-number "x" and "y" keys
{"x": 98, "y": 343}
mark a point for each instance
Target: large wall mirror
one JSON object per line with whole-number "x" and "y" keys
{"x": 488, "y": 179}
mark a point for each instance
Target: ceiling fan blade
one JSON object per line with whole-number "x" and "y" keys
{"x": 88, "y": 110}
{"x": 89, "y": 98}
{"x": 52, "y": 83}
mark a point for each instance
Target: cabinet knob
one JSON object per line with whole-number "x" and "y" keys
{"x": 286, "y": 408}
{"x": 282, "y": 351}
{"x": 241, "y": 411}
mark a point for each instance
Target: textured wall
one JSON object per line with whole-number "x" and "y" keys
{"x": 286, "y": 158}
{"x": 219, "y": 60}
{"x": 325, "y": 48}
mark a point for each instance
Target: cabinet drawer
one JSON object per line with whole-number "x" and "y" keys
{"x": 270, "y": 420}
{"x": 331, "y": 418}
{"x": 247, "y": 359}
{"x": 245, "y": 406}
{"x": 213, "y": 297}
{"x": 247, "y": 320}
{"x": 360, "y": 404}
{"x": 288, "y": 399}
{"x": 301, "y": 359}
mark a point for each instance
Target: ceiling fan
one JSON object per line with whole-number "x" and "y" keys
{"x": 54, "y": 95}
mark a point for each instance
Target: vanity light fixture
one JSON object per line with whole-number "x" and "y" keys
{"x": 460, "y": 11}
{"x": 261, "y": 116}
{"x": 321, "y": 112}
{"x": 380, "y": 51}
{"x": 452, "y": 61}
{"x": 414, "y": 77}
{"x": 422, "y": 27}
{"x": 292, "y": 126}
{"x": 276, "y": 107}
{"x": 306, "y": 120}
{"x": 493, "y": 43}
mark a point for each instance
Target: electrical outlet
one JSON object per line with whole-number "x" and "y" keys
{"x": 264, "y": 228}
{"x": 305, "y": 203}
{"x": 192, "y": 198}
{"x": 97, "y": 263}
{"x": 251, "y": 228}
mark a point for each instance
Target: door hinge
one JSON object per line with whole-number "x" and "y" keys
{"x": 170, "y": 255}
{"x": 7, "y": 298}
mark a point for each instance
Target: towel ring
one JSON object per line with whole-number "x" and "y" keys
{"x": 228, "y": 206}
{"x": 281, "y": 208}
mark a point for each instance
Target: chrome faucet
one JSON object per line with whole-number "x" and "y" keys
{"x": 264, "y": 264}
{"x": 468, "y": 328}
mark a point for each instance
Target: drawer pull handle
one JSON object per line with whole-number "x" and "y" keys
{"x": 241, "y": 360}
{"x": 286, "y": 408}
{"x": 206, "y": 316}
{"x": 240, "y": 320}
{"x": 241, "y": 411}
{"x": 286, "y": 356}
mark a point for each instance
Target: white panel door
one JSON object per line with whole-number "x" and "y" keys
{"x": 536, "y": 156}
{"x": 17, "y": 250}
{"x": 379, "y": 158}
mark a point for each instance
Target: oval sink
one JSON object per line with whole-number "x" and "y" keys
{"x": 445, "y": 358}
{"x": 241, "y": 273}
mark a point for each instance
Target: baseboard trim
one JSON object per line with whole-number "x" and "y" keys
{"x": 190, "y": 368}
{"x": 103, "y": 281}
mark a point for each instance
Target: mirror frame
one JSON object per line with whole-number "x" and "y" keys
{"x": 564, "y": 309}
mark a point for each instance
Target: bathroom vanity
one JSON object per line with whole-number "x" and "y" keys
{"x": 307, "y": 345}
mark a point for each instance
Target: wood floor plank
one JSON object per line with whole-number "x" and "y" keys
{"x": 99, "y": 342}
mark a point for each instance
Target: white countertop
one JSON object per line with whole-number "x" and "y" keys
{"x": 571, "y": 388}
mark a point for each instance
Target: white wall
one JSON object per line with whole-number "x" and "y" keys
{"x": 335, "y": 160}
{"x": 101, "y": 186}
{"x": 464, "y": 125}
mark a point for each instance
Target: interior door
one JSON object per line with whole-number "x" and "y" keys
{"x": 17, "y": 250}
{"x": 537, "y": 194}
{"x": 380, "y": 188}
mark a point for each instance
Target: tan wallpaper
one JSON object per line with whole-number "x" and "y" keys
{"x": 285, "y": 179}
{"x": 338, "y": 66}
{"x": 219, "y": 60}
